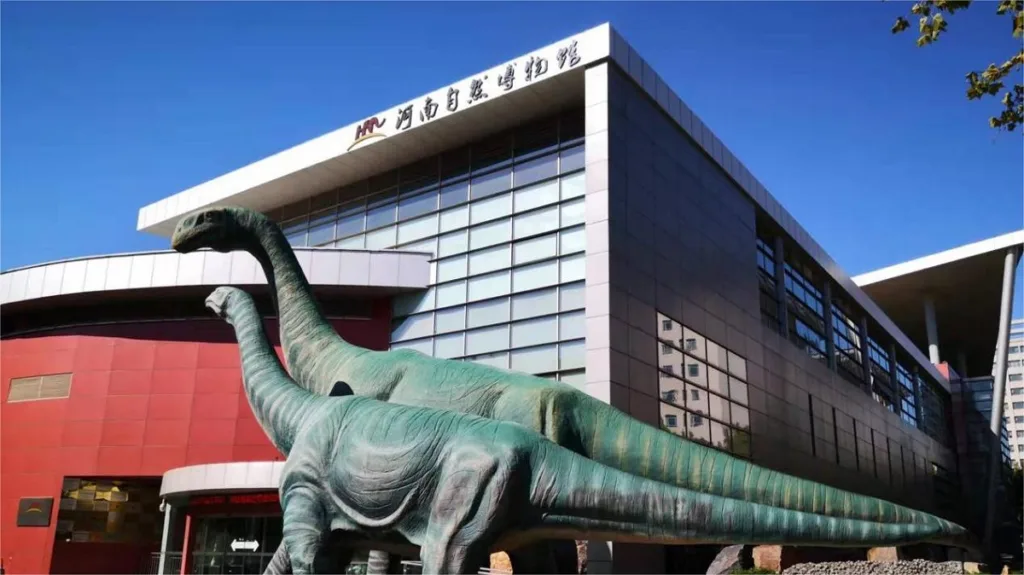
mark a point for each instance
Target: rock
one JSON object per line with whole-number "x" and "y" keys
{"x": 728, "y": 559}
{"x": 915, "y": 567}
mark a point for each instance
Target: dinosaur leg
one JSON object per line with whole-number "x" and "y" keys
{"x": 383, "y": 563}
{"x": 279, "y": 564}
{"x": 468, "y": 510}
{"x": 305, "y": 530}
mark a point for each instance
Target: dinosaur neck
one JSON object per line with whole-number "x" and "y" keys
{"x": 306, "y": 336}
{"x": 278, "y": 404}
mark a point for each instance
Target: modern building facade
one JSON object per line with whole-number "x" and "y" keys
{"x": 563, "y": 214}
{"x": 1014, "y": 407}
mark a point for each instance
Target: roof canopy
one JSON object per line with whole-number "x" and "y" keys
{"x": 964, "y": 283}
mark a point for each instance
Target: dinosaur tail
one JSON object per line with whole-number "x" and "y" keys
{"x": 625, "y": 443}
{"x": 311, "y": 345}
{"x": 278, "y": 404}
{"x": 581, "y": 498}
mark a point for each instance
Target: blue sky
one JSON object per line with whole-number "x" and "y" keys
{"x": 866, "y": 139}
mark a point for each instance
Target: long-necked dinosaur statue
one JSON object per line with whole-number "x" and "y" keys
{"x": 317, "y": 357}
{"x": 457, "y": 486}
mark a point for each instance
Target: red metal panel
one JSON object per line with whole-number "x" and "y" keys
{"x": 145, "y": 398}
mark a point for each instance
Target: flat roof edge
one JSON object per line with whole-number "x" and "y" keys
{"x": 959, "y": 253}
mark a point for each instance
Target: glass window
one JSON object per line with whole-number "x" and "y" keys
{"x": 694, "y": 343}
{"x": 351, "y": 220}
{"x": 490, "y": 234}
{"x": 411, "y": 207}
{"x": 454, "y": 163}
{"x": 534, "y": 223}
{"x": 535, "y": 331}
{"x": 424, "y": 346}
{"x": 698, "y": 428}
{"x": 488, "y": 286}
{"x": 451, "y": 294}
{"x": 489, "y": 209}
{"x": 673, "y": 419}
{"x": 536, "y": 249}
{"x": 428, "y": 245}
{"x": 536, "y": 170}
{"x": 486, "y": 340}
{"x": 536, "y": 196}
{"x": 455, "y": 218}
{"x": 573, "y": 186}
{"x": 493, "y": 151}
{"x": 487, "y": 312}
{"x": 381, "y": 215}
{"x": 738, "y": 391}
{"x": 576, "y": 379}
{"x": 572, "y": 325}
{"x": 540, "y": 359}
{"x": 1015, "y": 377}
{"x": 536, "y": 303}
{"x": 490, "y": 259}
{"x": 717, "y": 355}
{"x": 719, "y": 436}
{"x": 672, "y": 390}
{"x": 737, "y": 365}
{"x": 413, "y": 327}
{"x": 719, "y": 407}
{"x": 454, "y": 194}
{"x": 321, "y": 228}
{"x": 295, "y": 231}
{"x": 740, "y": 416}
{"x": 381, "y": 239}
{"x": 453, "y": 243}
{"x": 449, "y": 346}
{"x": 572, "y": 296}
{"x": 490, "y": 184}
{"x": 407, "y": 304}
{"x": 451, "y": 268}
{"x": 571, "y": 159}
{"x": 573, "y": 213}
{"x": 452, "y": 319}
{"x": 499, "y": 360}
{"x": 534, "y": 276}
{"x": 413, "y": 230}
{"x": 696, "y": 371}
{"x": 696, "y": 399}
{"x": 573, "y": 268}
{"x": 741, "y": 443}
{"x": 572, "y": 355}
{"x": 574, "y": 240}
{"x": 718, "y": 382}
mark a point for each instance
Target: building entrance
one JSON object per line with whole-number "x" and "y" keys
{"x": 234, "y": 544}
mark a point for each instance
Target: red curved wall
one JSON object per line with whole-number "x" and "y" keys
{"x": 145, "y": 398}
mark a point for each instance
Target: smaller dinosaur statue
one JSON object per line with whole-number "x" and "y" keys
{"x": 459, "y": 486}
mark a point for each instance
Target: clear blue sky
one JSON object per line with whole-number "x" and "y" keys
{"x": 866, "y": 139}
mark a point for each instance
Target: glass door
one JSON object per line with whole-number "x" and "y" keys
{"x": 234, "y": 545}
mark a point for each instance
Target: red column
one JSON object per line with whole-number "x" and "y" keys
{"x": 186, "y": 547}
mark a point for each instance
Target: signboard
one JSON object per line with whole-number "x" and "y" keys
{"x": 248, "y": 545}
{"x": 34, "y": 511}
{"x": 540, "y": 65}
{"x": 237, "y": 499}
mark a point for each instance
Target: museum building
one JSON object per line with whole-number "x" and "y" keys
{"x": 563, "y": 213}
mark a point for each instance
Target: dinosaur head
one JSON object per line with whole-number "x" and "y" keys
{"x": 222, "y": 299}
{"x": 216, "y": 228}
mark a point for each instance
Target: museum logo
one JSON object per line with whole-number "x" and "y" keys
{"x": 368, "y": 130}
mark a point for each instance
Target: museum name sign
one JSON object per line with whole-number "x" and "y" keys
{"x": 545, "y": 63}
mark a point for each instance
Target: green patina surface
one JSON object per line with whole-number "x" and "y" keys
{"x": 318, "y": 357}
{"x": 458, "y": 486}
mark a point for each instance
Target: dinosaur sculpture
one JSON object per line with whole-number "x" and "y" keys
{"x": 457, "y": 486}
{"x": 318, "y": 357}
